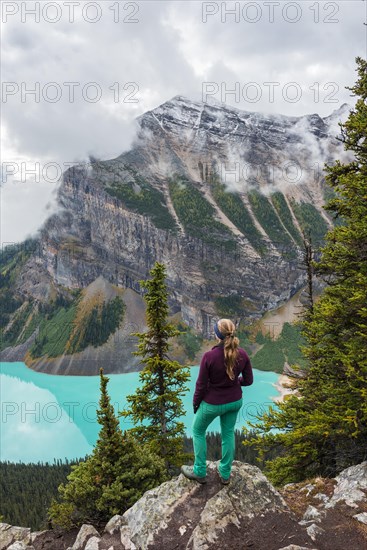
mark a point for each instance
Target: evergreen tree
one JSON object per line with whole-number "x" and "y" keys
{"x": 325, "y": 430}
{"x": 158, "y": 400}
{"x": 308, "y": 256}
{"x": 113, "y": 477}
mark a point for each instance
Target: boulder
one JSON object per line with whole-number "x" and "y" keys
{"x": 93, "y": 543}
{"x": 20, "y": 545}
{"x": 322, "y": 497}
{"x": 113, "y": 525}
{"x": 36, "y": 534}
{"x": 191, "y": 516}
{"x": 312, "y": 514}
{"x": 86, "y": 531}
{"x": 314, "y": 531}
{"x": 362, "y": 517}
{"x": 10, "y": 534}
{"x": 351, "y": 486}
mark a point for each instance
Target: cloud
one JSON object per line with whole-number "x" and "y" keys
{"x": 168, "y": 51}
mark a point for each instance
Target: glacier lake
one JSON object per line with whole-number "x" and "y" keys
{"x": 46, "y": 417}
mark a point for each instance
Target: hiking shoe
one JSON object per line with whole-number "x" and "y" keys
{"x": 222, "y": 480}
{"x": 188, "y": 471}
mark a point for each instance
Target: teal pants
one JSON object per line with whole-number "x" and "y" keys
{"x": 203, "y": 417}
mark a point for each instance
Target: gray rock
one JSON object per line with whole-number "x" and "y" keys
{"x": 12, "y": 533}
{"x": 148, "y": 515}
{"x": 350, "y": 487}
{"x": 295, "y": 547}
{"x": 36, "y": 534}
{"x": 249, "y": 494}
{"x": 218, "y": 513}
{"x": 314, "y": 530}
{"x": 114, "y": 524}
{"x": 361, "y": 517}
{"x": 321, "y": 496}
{"x": 311, "y": 514}
{"x": 85, "y": 532}
{"x": 126, "y": 535}
{"x": 20, "y": 545}
{"x": 93, "y": 543}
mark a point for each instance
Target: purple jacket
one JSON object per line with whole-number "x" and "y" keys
{"x": 214, "y": 385}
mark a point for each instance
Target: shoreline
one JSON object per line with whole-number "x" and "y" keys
{"x": 283, "y": 390}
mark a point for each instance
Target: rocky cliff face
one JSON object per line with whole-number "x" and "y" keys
{"x": 321, "y": 514}
{"x": 220, "y": 196}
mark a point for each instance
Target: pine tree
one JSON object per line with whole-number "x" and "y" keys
{"x": 308, "y": 256}
{"x": 325, "y": 430}
{"x": 113, "y": 477}
{"x": 158, "y": 400}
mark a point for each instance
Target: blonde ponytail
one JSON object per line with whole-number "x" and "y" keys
{"x": 231, "y": 342}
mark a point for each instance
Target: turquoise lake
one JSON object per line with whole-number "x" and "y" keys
{"x": 46, "y": 416}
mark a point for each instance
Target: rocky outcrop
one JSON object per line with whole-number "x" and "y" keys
{"x": 10, "y": 535}
{"x": 211, "y": 516}
{"x": 181, "y": 514}
{"x": 351, "y": 486}
{"x": 325, "y": 504}
{"x": 293, "y": 372}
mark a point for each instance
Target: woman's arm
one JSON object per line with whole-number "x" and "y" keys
{"x": 247, "y": 377}
{"x": 201, "y": 382}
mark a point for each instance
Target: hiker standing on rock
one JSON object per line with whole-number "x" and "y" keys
{"x": 218, "y": 392}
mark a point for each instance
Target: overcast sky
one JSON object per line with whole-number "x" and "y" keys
{"x": 95, "y": 66}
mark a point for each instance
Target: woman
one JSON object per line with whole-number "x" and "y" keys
{"x": 218, "y": 392}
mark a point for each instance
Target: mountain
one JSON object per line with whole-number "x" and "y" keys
{"x": 217, "y": 194}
